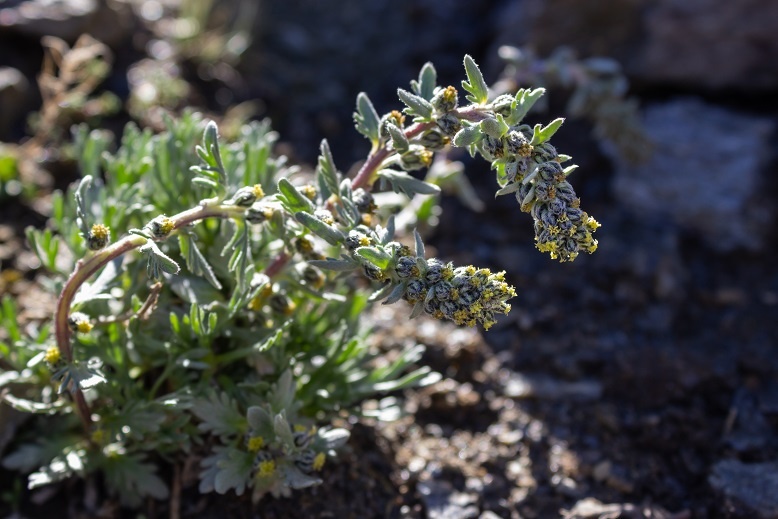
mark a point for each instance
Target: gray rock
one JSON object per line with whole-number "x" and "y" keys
{"x": 65, "y": 19}
{"x": 108, "y": 22}
{"x": 713, "y": 44}
{"x": 705, "y": 173}
{"x": 748, "y": 490}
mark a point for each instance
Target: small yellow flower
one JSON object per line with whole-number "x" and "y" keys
{"x": 266, "y": 468}
{"x": 98, "y": 237}
{"x": 52, "y": 355}
{"x": 165, "y": 225}
{"x": 318, "y": 461}
{"x": 397, "y": 118}
{"x": 84, "y": 327}
{"x": 257, "y": 190}
{"x": 309, "y": 191}
{"x": 255, "y": 443}
{"x": 80, "y": 323}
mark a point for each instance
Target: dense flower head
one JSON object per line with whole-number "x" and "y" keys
{"x": 539, "y": 182}
{"x": 465, "y": 295}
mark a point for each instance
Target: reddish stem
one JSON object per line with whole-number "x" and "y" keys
{"x": 86, "y": 268}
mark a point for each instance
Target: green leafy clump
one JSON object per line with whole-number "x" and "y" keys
{"x": 204, "y": 310}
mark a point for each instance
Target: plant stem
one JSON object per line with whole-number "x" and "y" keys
{"x": 366, "y": 174}
{"x": 86, "y": 268}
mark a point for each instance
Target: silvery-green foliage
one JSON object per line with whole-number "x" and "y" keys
{"x": 239, "y": 341}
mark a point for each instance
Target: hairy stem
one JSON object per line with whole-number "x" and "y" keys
{"x": 86, "y": 268}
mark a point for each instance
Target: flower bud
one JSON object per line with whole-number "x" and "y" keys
{"x": 325, "y": 216}
{"x": 415, "y": 158}
{"x": 449, "y": 124}
{"x": 517, "y": 144}
{"x": 79, "y": 322}
{"x": 99, "y": 236}
{"x": 160, "y": 226}
{"x": 445, "y": 99}
{"x": 544, "y": 153}
{"x": 247, "y": 195}
{"x": 364, "y": 201}
{"x": 551, "y": 171}
{"x": 407, "y": 267}
{"x": 259, "y": 213}
{"x": 434, "y": 140}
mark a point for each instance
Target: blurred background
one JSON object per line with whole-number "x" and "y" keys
{"x": 670, "y": 325}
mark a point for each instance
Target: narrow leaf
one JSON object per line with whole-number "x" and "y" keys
{"x": 425, "y": 86}
{"x": 326, "y": 169}
{"x": 396, "y": 294}
{"x": 293, "y": 199}
{"x": 381, "y": 293}
{"x": 374, "y": 255}
{"x": 475, "y": 83}
{"x": 510, "y": 188}
{"x": 402, "y": 182}
{"x": 417, "y": 105}
{"x": 343, "y": 265}
{"x": 195, "y": 261}
{"x": 525, "y": 99}
{"x": 399, "y": 140}
{"x": 329, "y": 233}
{"x": 419, "y": 244}
{"x": 541, "y": 135}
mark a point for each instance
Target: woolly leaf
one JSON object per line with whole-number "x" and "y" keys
{"x": 475, "y": 84}
{"x": 416, "y": 105}
{"x": 366, "y": 118}
{"x": 425, "y": 86}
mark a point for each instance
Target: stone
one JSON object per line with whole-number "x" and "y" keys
{"x": 747, "y": 489}
{"x": 705, "y": 173}
{"x": 708, "y": 44}
{"x": 715, "y": 44}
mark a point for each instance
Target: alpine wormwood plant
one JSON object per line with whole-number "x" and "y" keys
{"x": 203, "y": 309}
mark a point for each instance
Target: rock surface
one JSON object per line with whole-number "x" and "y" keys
{"x": 747, "y": 489}
{"x": 706, "y": 173}
{"x": 709, "y": 44}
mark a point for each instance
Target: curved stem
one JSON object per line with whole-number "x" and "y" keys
{"x": 366, "y": 174}
{"x": 86, "y": 268}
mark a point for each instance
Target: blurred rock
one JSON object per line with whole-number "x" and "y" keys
{"x": 712, "y": 44}
{"x": 13, "y": 93}
{"x": 747, "y": 490}
{"x": 705, "y": 173}
{"x": 65, "y": 19}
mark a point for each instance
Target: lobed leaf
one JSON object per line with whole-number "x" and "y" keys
{"x": 475, "y": 84}
{"x": 416, "y": 105}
